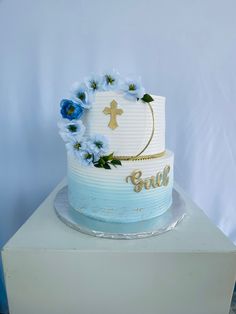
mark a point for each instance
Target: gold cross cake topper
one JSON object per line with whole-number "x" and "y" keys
{"x": 113, "y": 111}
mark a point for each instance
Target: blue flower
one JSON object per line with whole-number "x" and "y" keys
{"x": 82, "y": 95}
{"x": 75, "y": 146}
{"x": 132, "y": 89}
{"x": 69, "y": 129}
{"x": 97, "y": 145}
{"x": 71, "y": 110}
{"x": 94, "y": 83}
{"x": 86, "y": 158}
{"x": 111, "y": 80}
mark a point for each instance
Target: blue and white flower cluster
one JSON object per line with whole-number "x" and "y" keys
{"x": 82, "y": 94}
{"x": 87, "y": 150}
{"x": 93, "y": 150}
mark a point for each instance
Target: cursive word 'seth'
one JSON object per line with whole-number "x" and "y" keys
{"x": 161, "y": 179}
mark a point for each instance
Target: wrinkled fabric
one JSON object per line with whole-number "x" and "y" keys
{"x": 184, "y": 50}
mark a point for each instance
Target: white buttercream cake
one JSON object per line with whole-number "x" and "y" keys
{"x": 118, "y": 167}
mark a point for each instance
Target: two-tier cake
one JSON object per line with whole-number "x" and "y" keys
{"x": 118, "y": 167}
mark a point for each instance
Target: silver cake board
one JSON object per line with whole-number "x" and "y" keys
{"x": 112, "y": 230}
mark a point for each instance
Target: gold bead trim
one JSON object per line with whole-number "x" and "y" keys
{"x": 144, "y": 157}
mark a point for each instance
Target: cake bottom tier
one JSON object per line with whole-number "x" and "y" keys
{"x": 136, "y": 191}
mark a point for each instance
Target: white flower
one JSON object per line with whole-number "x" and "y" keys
{"x": 93, "y": 83}
{"x": 98, "y": 145}
{"x": 80, "y": 93}
{"x": 75, "y": 146}
{"x": 132, "y": 88}
{"x": 71, "y": 129}
{"x": 111, "y": 80}
{"x": 86, "y": 158}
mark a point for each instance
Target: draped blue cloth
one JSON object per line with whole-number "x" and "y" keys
{"x": 184, "y": 50}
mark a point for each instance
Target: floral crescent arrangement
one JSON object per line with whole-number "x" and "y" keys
{"x": 94, "y": 150}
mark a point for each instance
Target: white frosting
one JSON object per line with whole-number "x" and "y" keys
{"x": 117, "y": 175}
{"x": 135, "y": 124}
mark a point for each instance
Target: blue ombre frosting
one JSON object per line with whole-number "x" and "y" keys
{"x": 105, "y": 195}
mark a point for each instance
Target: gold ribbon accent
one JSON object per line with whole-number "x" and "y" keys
{"x": 144, "y": 157}
{"x": 153, "y": 130}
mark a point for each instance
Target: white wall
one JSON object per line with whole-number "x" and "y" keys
{"x": 184, "y": 50}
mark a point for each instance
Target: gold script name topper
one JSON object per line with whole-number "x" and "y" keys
{"x": 161, "y": 179}
{"x": 113, "y": 112}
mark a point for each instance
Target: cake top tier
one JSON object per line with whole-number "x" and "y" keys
{"x": 108, "y": 119}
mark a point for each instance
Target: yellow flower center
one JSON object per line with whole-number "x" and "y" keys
{"x": 70, "y": 110}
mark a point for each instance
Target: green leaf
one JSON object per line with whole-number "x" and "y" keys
{"x": 116, "y": 162}
{"x": 110, "y": 157}
{"x": 97, "y": 165}
{"x": 106, "y": 166}
{"x": 147, "y": 98}
{"x": 106, "y": 161}
{"x": 105, "y": 158}
{"x": 102, "y": 161}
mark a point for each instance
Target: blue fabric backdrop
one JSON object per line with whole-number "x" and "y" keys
{"x": 184, "y": 50}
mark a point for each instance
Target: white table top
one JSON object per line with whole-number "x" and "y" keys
{"x": 43, "y": 230}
